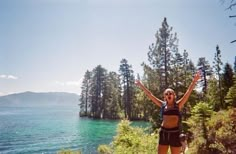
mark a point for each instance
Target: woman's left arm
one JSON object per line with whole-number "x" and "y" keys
{"x": 184, "y": 99}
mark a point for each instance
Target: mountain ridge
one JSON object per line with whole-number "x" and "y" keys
{"x": 30, "y": 98}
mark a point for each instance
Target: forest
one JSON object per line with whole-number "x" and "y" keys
{"x": 209, "y": 116}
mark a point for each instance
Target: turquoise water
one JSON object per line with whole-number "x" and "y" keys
{"x": 45, "y": 130}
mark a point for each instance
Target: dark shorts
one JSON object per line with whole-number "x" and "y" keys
{"x": 170, "y": 136}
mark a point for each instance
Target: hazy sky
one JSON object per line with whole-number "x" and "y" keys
{"x": 47, "y": 45}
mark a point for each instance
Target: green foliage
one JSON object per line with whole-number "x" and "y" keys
{"x": 112, "y": 96}
{"x": 160, "y": 54}
{"x": 140, "y": 104}
{"x": 231, "y": 95}
{"x": 201, "y": 113}
{"x": 104, "y": 149}
{"x": 130, "y": 140}
{"x": 222, "y": 132}
{"x": 127, "y": 81}
{"x": 84, "y": 96}
{"x": 201, "y": 110}
{"x": 213, "y": 132}
{"x": 227, "y": 78}
{"x": 207, "y": 71}
{"x": 217, "y": 68}
{"x": 68, "y": 151}
{"x": 213, "y": 94}
{"x": 235, "y": 65}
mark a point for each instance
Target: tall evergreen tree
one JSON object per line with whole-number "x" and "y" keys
{"x": 213, "y": 94}
{"x": 217, "y": 67}
{"x": 97, "y": 91}
{"x": 186, "y": 67}
{"x": 158, "y": 74}
{"x": 84, "y": 96}
{"x": 227, "y": 78}
{"x": 112, "y": 96}
{"x": 204, "y": 65}
{"x": 235, "y": 65}
{"x": 138, "y": 107}
{"x": 201, "y": 114}
{"x": 177, "y": 74}
{"x": 182, "y": 72}
{"x": 191, "y": 67}
{"x": 150, "y": 80}
{"x": 160, "y": 53}
{"x": 127, "y": 80}
{"x": 231, "y": 95}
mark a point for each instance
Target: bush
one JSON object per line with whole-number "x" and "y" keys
{"x": 131, "y": 140}
{"x": 69, "y": 152}
{"x": 222, "y": 132}
{"x": 105, "y": 149}
{"x": 213, "y": 132}
{"x": 200, "y": 115}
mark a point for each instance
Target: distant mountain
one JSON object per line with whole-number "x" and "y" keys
{"x": 40, "y": 99}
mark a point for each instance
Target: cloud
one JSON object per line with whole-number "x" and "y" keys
{"x": 73, "y": 83}
{"x": 69, "y": 83}
{"x": 3, "y": 76}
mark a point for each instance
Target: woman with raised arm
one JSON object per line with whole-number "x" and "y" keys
{"x": 169, "y": 132}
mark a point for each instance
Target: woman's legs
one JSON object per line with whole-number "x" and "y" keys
{"x": 162, "y": 149}
{"x": 175, "y": 150}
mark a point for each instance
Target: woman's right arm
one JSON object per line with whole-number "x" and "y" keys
{"x": 157, "y": 101}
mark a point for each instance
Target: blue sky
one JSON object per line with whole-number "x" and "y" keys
{"x": 47, "y": 45}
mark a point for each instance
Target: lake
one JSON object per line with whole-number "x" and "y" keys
{"x": 30, "y": 130}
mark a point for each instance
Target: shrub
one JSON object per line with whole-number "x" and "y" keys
{"x": 222, "y": 132}
{"x": 213, "y": 134}
{"x": 131, "y": 140}
{"x": 68, "y": 151}
{"x": 105, "y": 149}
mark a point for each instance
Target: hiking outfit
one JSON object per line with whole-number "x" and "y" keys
{"x": 170, "y": 136}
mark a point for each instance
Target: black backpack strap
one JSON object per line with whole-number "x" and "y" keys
{"x": 162, "y": 110}
{"x": 180, "y": 117}
{"x": 180, "y": 121}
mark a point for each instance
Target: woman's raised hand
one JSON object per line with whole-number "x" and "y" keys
{"x": 138, "y": 83}
{"x": 197, "y": 76}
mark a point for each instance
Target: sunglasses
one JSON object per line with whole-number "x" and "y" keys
{"x": 169, "y": 93}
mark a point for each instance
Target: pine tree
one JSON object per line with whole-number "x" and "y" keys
{"x": 201, "y": 114}
{"x": 158, "y": 74}
{"x": 160, "y": 53}
{"x": 217, "y": 67}
{"x": 84, "y": 96}
{"x": 127, "y": 80}
{"x": 227, "y": 78}
{"x": 204, "y": 65}
{"x": 231, "y": 95}
{"x": 188, "y": 70}
{"x": 235, "y": 65}
{"x": 150, "y": 81}
{"x": 213, "y": 94}
{"x": 177, "y": 74}
{"x": 97, "y": 91}
{"x": 112, "y": 96}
